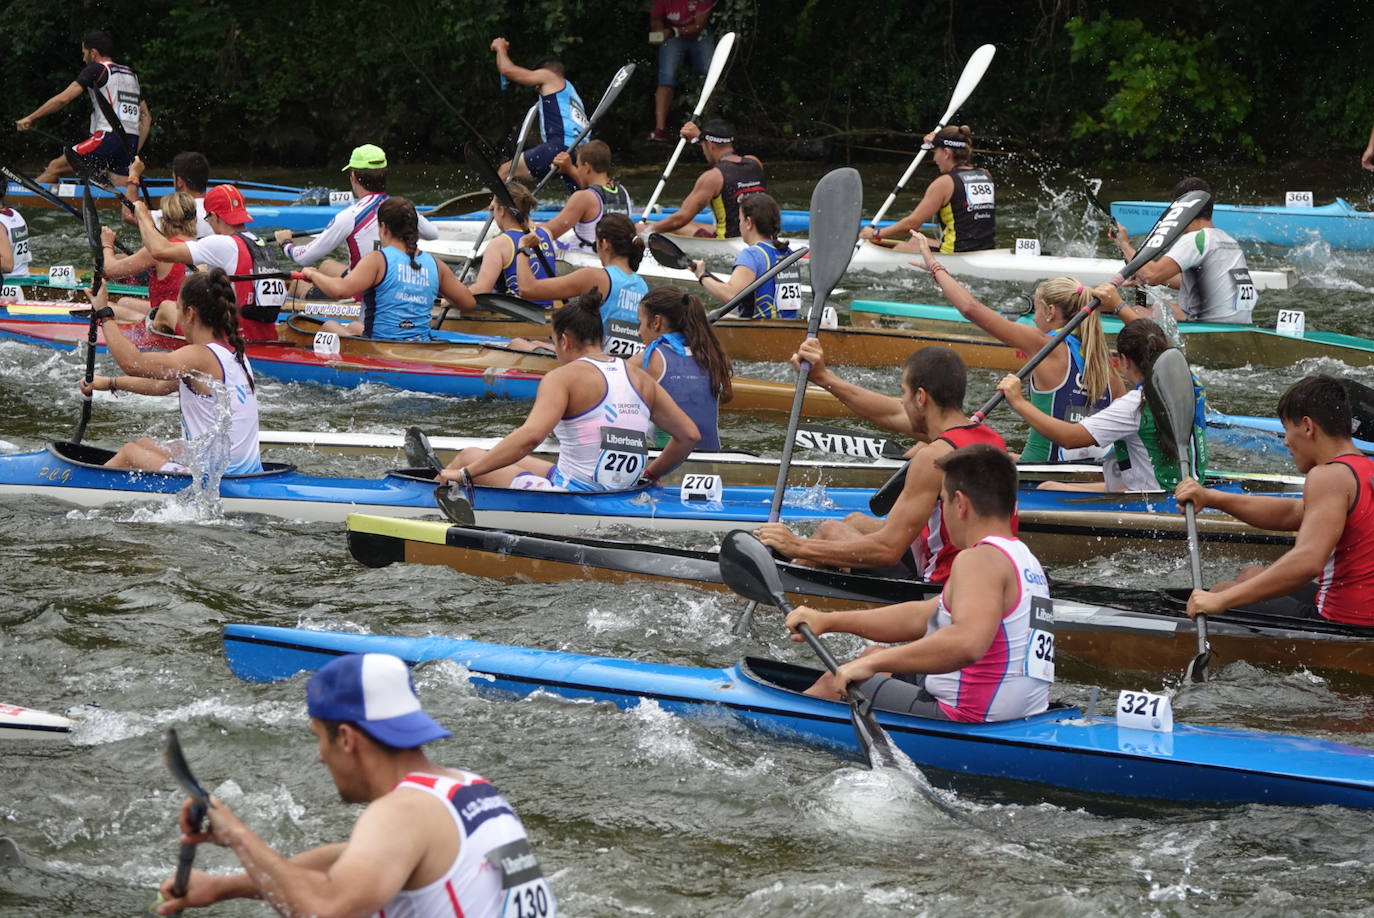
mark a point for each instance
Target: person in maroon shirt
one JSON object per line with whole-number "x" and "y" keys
{"x": 678, "y": 27}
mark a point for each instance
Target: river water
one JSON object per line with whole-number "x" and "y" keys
{"x": 114, "y": 617}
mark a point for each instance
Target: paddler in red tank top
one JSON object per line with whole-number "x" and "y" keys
{"x": 1334, "y": 519}
{"x": 931, "y": 409}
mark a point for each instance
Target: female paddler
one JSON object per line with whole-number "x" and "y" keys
{"x": 210, "y": 376}
{"x": 683, "y": 355}
{"x": 620, "y": 252}
{"x": 1138, "y": 460}
{"x": 1075, "y": 379}
{"x": 760, "y": 221}
{"x": 498, "y": 274}
{"x": 178, "y": 224}
{"x": 600, "y": 408}
{"x": 962, "y": 197}
{"x": 398, "y": 282}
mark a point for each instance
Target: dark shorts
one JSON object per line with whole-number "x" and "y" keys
{"x": 540, "y": 160}
{"x": 1301, "y": 603}
{"x": 903, "y": 694}
{"x": 105, "y": 151}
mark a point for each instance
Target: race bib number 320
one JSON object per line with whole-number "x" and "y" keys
{"x": 1040, "y": 647}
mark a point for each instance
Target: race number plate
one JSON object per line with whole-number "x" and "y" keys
{"x": 701, "y": 489}
{"x": 830, "y": 318}
{"x": 271, "y": 291}
{"x": 1040, "y": 645}
{"x": 62, "y": 276}
{"x": 979, "y": 194}
{"x": 326, "y": 344}
{"x": 10, "y": 292}
{"x": 1145, "y": 711}
{"x": 340, "y": 198}
{"x": 622, "y": 338}
{"x": 1028, "y": 248}
{"x": 1297, "y": 199}
{"x": 622, "y": 458}
{"x": 1245, "y": 289}
{"x": 67, "y": 190}
{"x": 1292, "y": 323}
{"x": 527, "y": 893}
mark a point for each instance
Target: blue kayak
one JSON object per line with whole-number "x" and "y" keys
{"x": 1338, "y": 224}
{"x": 1060, "y": 748}
{"x": 253, "y": 193}
{"x": 1257, "y": 435}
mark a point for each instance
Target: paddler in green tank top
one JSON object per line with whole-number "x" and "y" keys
{"x": 1073, "y": 380}
{"x": 1138, "y": 461}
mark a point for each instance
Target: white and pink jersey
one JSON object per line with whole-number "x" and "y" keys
{"x": 201, "y": 414}
{"x": 495, "y": 875}
{"x": 605, "y": 447}
{"x": 355, "y": 227}
{"x": 1013, "y": 678}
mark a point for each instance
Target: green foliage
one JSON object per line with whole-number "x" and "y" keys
{"x": 1174, "y": 92}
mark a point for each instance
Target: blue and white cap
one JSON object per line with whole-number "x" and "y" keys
{"x": 374, "y": 691}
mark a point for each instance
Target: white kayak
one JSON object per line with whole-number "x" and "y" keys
{"x": 1005, "y": 264}
{"x": 456, "y": 252}
{"x": 18, "y": 723}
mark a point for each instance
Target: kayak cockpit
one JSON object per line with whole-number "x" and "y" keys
{"x": 95, "y": 457}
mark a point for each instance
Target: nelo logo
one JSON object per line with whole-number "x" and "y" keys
{"x": 1172, "y": 219}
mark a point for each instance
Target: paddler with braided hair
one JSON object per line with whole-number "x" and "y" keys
{"x": 602, "y": 410}
{"x": 207, "y": 371}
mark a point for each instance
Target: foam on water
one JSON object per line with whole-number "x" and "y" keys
{"x": 101, "y": 726}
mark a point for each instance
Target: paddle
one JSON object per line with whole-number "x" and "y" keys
{"x": 176, "y": 764}
{"x": 418, "y": 451}
{"x": 92, "y": 223}
{"x": 487, "y": 175}
{"x": 1094, "y": 201}
{"x": 836, "y": 209}
{"x": 1170, "y": 226}
{"x": 465, "y": 203}
{"x": 48, "y": 196}
{"x": 747, "y": 568}
{"x": 622, "y": 76}
{"x": 1173, "y": 401}
{"x": 486, "y": 224}
{"x": 669, "y": 254}
{"x": 513, "y": 306}
{"x": 713, "y": 73}
{"x": 846, "y": 442}
{"x": 269, "y": 275}
{"x": 456, "y": 505}
{"x": 968, "y": 81}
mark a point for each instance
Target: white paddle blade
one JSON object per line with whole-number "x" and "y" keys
{"x": 719, "y": 59}
{"x": 663, "y": 179}
{"x": 968, "y": 81}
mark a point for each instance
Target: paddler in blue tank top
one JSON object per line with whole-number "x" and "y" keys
{"x": 498, "y": 273}
{"x": 1075, "y": 379}
{"x": 561, "y": 113}
{"x": 682, "y": 353}
{"x": 398, "y": 282}
{"x": 760, "y": 221}
{"x": 620, "y": 252}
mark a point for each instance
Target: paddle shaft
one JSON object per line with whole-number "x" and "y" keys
{"x": 735, "y": 301}
{"x": 1197, "y": 670}
{"x": 93, "y": 329}
{"x": 486, "y": 224}
{"x": 608, "y": 98}
{"x": 186, "y": 854}
{"x": 1039, "y": 357}
{"x": 48, "y": 196}
{"x": 718, "y": 61}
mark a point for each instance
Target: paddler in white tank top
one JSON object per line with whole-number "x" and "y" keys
{"x": 598, "y": 194}
{"x": 984, "y": 650}
{"x": 433, "y": 842}
{"x": 208, "y": 370}
{"x": 600, "y": 406}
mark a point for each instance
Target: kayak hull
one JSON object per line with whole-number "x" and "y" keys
{"x": 1338, "y": 224}
{"x": 1060, "y": 748}
{"x": 25, "y": 724}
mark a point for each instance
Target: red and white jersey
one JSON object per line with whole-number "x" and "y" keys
{"x": 1345, "y": 589}
{"x": 933, "y": 550}
{"x": 495, "y": 874}
{"x": 356, "y": 227}
{"x": 121, "y": 90}
{"x": 1009, "y": 681}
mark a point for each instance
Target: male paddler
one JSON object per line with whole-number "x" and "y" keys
{"x": 984, "y": 649}
{"x": 232, "y": 248}
{"x": 731, "y": 176}
{"x": 562, "y": 115}
{"x": 598, "y": 194}
{"x": 111, "y": 86}
{"x": 931, "y": 409}
{"x": 431, "y": 842}
{"x": 1329, "y": 571}
{"x": 190, "y": 173}
{"x": 355, "y": 226}
{"x": 1205, "y": 264}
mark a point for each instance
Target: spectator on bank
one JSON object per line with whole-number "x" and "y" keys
{"x": 678, "y": 27}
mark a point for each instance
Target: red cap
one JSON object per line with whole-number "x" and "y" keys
{"x": 226, "y": 202}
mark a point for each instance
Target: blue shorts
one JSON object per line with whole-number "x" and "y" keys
{"x": 672, "y": 51}
{"x": 540, "y": 160}
{"x": 105, "y": 152}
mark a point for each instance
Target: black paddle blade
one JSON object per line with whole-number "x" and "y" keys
{"x": 873, "y": 739}
{"x": 748, "y": 568}
{"x": 455, "y": 504}
{"x": 1167, "y": 229}
{"x": 176, "y": 764}
{"x": 486, "y": 174}
{"x": 513, "y": 306}
{"x": 884, "y": 498}
{"x": 837, "y": 205}
{"x": 667, "y": 252}
{"x": 1094, "y": 200}
{"x": 1169, "y": 392}
{"x": 467, "y": 203}
{"x": 419, "y": 453}
{"x": 1197, "y": 668}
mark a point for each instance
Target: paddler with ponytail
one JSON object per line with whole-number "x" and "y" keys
{"x": 683, "y": 354}
{"x": 1140, "y": 460}
{"x": 962, "y": 197}
{"x": 1075, "y": 379}
{"x": 204, "y": 373}
{"x": 600, "y": 408}
{"x": 398, "y": 282}
{"x": 620, "y": 252}
{"x": 760, "y": 221}
{"x": 498, "y": 272}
